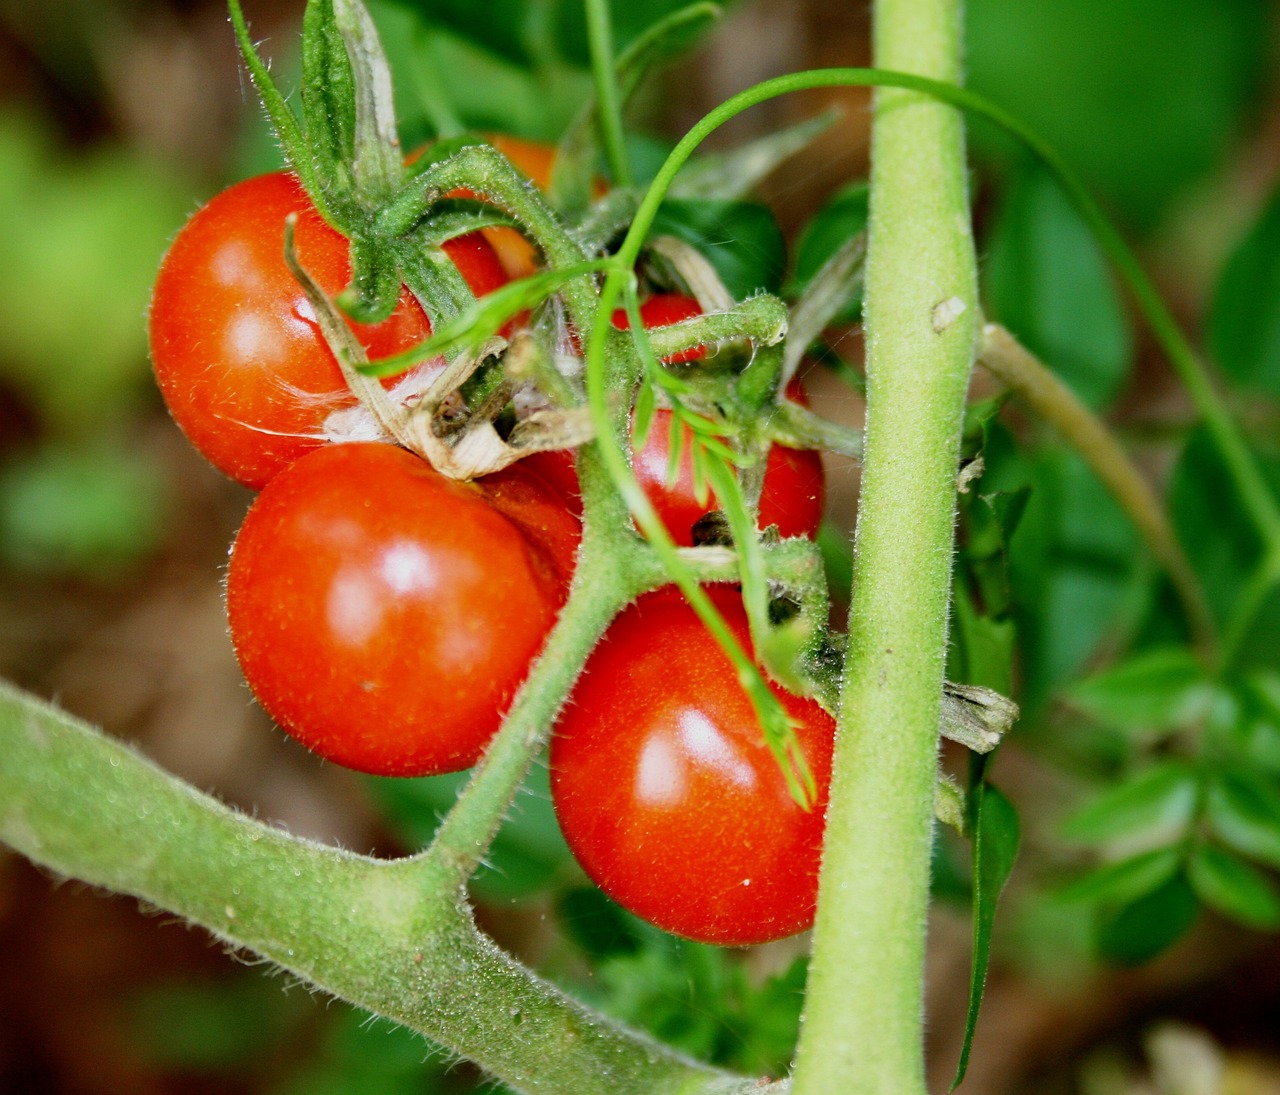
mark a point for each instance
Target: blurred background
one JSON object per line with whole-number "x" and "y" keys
{"x": 118, "y": 117}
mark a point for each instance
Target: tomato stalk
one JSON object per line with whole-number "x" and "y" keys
{"x": 863, "y": 1022}
{"x": 373, "y": 932}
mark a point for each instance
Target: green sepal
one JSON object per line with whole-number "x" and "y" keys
{"x": 328, "y": 96}
{"x": 376, "y": 161}
{"x": 287, "y": 128}
{"x": 375, "y": 282}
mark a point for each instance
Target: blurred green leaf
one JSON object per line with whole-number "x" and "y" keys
{"x": 1221, "y": 541}
{"x": 1244, "y": 324}
{"x": 1075, "y": 569}
{"x": 1136, "y": 932}
{"x": 704, "y": 1000}
{"x": 721, "y": 176}
{"x": 1163, "y": 689}
{"x": 1257, "y": 728}
{"x": 528, "y": 854}
{"x": 1159, "y": 801}
{"x": 1244, "y": 810}
{"x": 741, "y": 240}
{"x": 531, "y": 32}
{"x": 364, "y": 1055}
{"x": 90, "y": 510}
{"x": 1144, "y": 96}
{"x": 485, "y": 89}
{"x": 1123, "y": 881}
{"x": 1231, "y": 886}
{"x": 1046, "y": 280}
{"x": 80, "y": 242}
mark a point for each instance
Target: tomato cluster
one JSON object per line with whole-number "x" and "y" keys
{"x": 385, "y": 615}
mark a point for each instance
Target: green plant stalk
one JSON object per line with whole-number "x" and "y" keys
{"x": 863, "y": 1024}
{"x": 396, "y": 937}
{"x": 603, "y": 69}
{"x": 1053, "y": 401}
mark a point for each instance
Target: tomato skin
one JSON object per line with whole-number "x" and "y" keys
{"x": 385, "y": 615}
{"x": 236, "y": 349}
{"x": 666, "y": 792}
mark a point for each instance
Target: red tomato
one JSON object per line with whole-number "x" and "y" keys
{"x": 666, "y": 791}
{"x": 237, "y": 352}
{"x": 385, "y": 615}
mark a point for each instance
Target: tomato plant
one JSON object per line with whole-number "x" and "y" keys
{"x": 666, "y": 791}
{"x": 237, "y": 353}
{"x": 383, "y": 614}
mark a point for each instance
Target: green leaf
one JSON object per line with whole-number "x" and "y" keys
{"x": 1244, "y": 811}
{"x": 1136, "y": 932}
{"x": 1244, "y": 324}
{"x": 997, "y": 833}
{"x": 1234, "y": 888}
{"x": 1221, "y": 541}
{"x": 1125, "y": 880}
{"x": 91, "y": 511}
{"x": 1164, "y": 689}
{"x": 1160, "y": 800}
{"x": 1143, "y": 96}
{"x": 1046, "y": 280}
{"x": 1075, "y": 568}
{"x": 741, "y": 240}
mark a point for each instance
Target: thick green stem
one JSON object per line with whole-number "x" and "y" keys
{"x": 83, "y": 805}
{"x": 863, "y": 1029}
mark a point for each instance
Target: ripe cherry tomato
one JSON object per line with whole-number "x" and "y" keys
{"x": 666, "y": 792}
{"x": 385, "y": 615}
{"x": 237, "y": 352}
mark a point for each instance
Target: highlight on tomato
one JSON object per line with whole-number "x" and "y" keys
{"x": 665, "y": 789}
{"x": 237, "y": 352}
{"x": 385, "y": 615}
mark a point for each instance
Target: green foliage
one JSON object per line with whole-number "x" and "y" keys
{"x": 997, "y": 834}
{"x": 1047, "y": 282}
{"x": 1143, "y": 96}
{"x": 88, "y": 509}
{"x": 705, "y": 1000}
{"x": 1222, "y": 544}
{"x": 1244, "y": 325}
{"x": 82, "y": 239}
{"x": 742, "y": 241}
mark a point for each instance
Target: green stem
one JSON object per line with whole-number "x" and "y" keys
{"x": 1053, "y": 401}
{"x": 862, "y": 1030}
{"x": 86, "y": 806}
{"x": 600, "y": 38}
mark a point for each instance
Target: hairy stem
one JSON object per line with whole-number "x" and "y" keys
{"x": 83, "y": 805}
{"x": 863, "y": 1030}
{"x": 1053, "y": 401}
